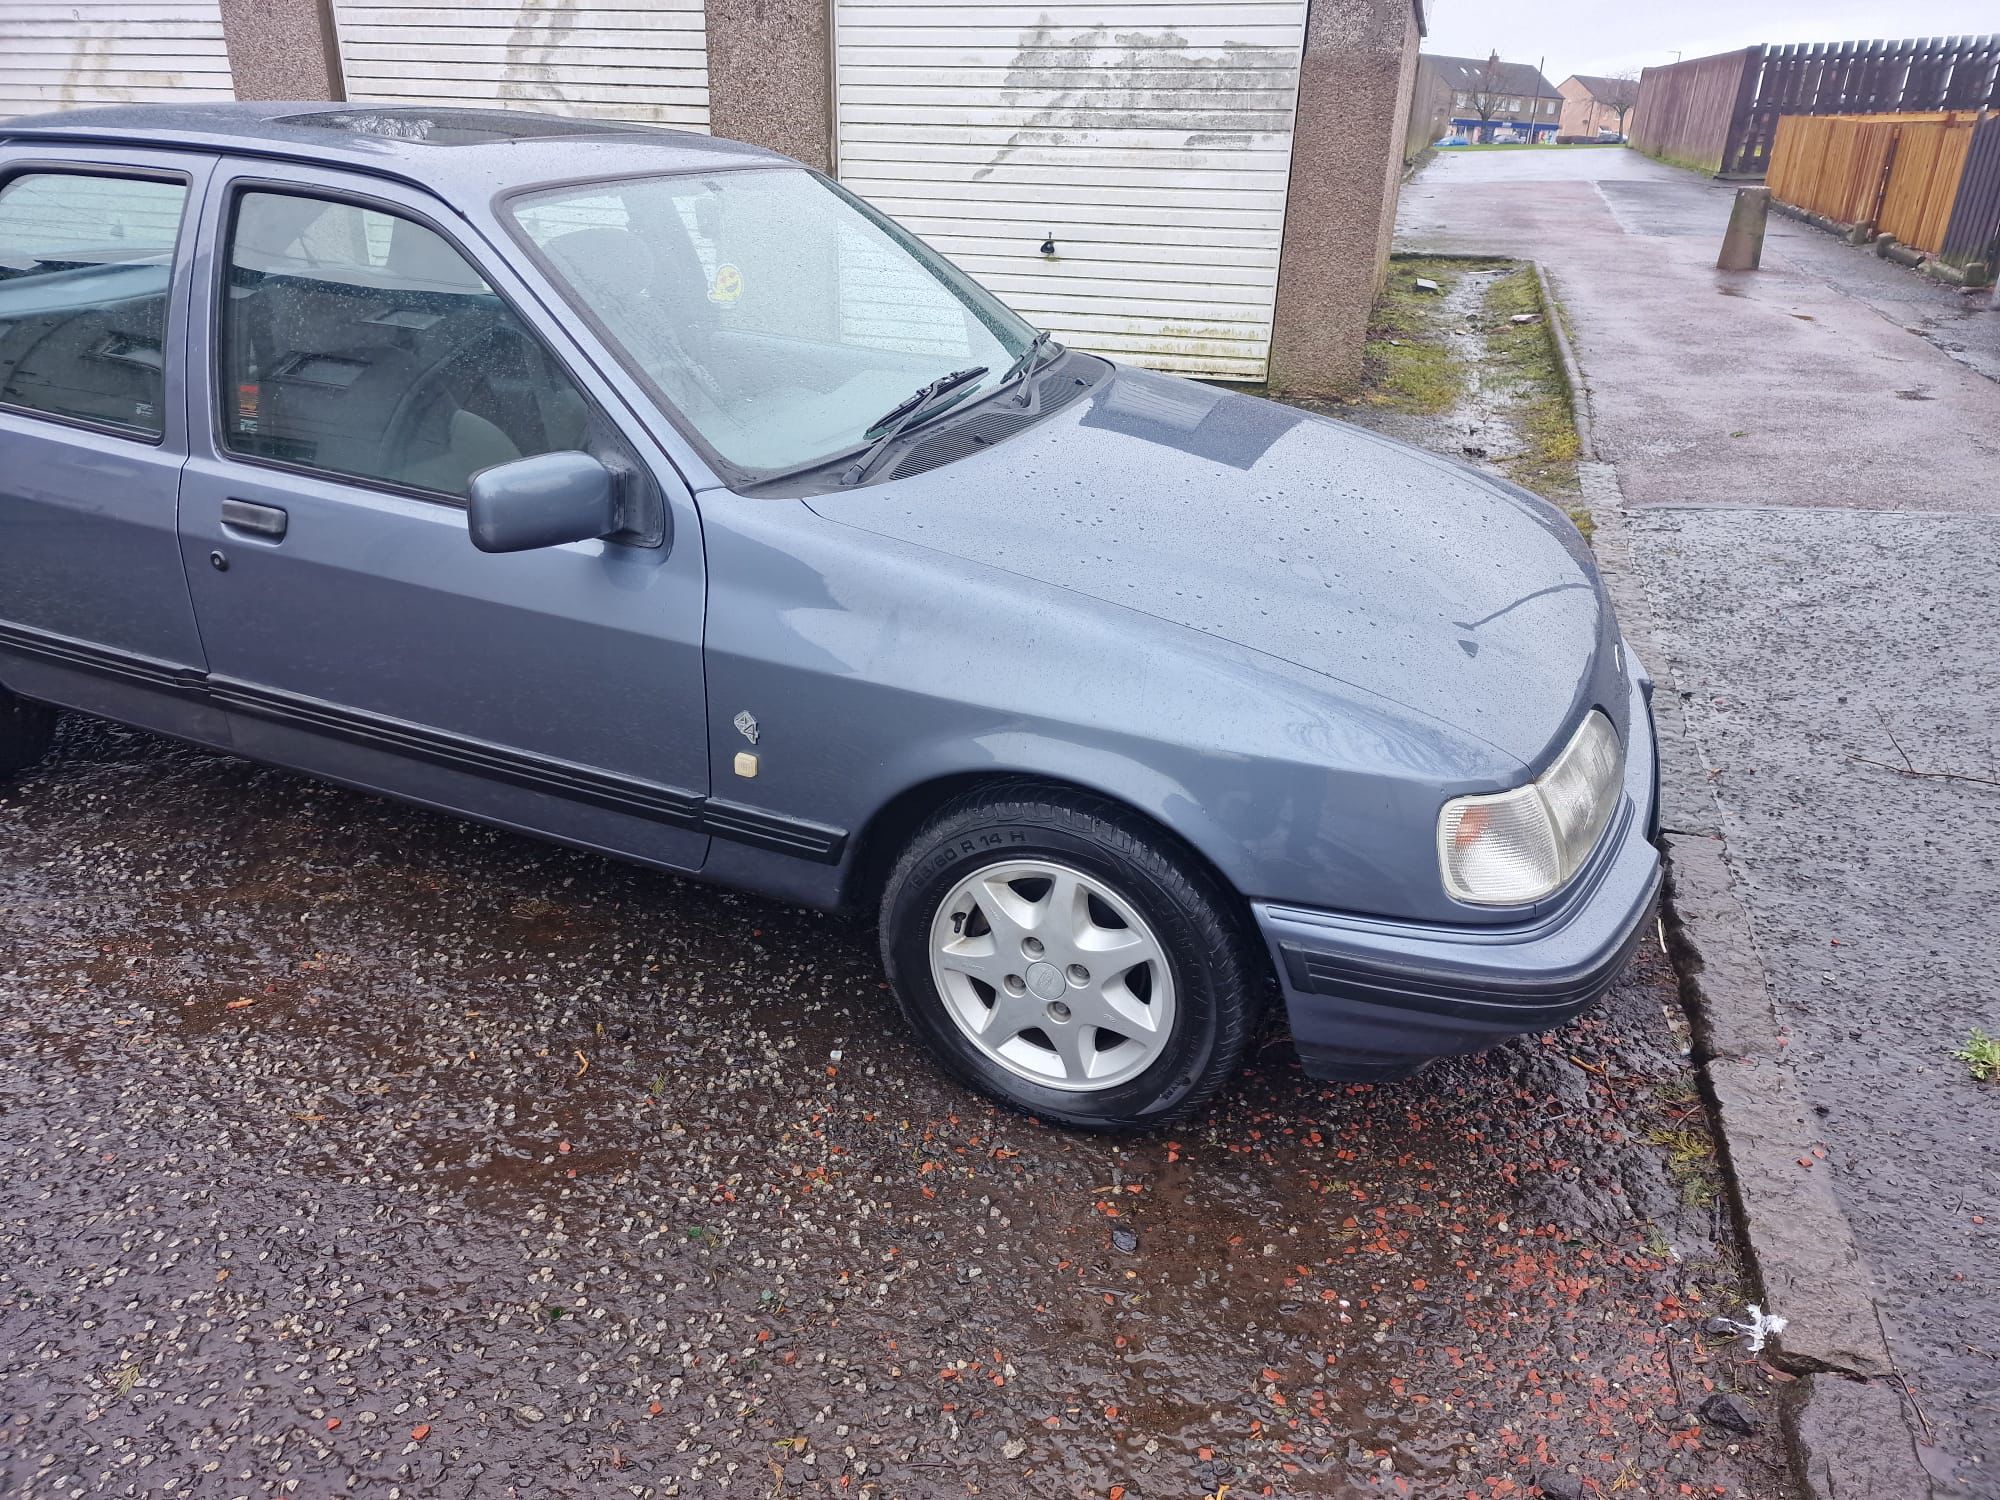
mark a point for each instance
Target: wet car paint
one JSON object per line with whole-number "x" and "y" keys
{"x": 1282, "y": 637}
{"x": 1395, "y": 574}
{"x": 1293, "y": 696}
{"x": 352, "y": 1146}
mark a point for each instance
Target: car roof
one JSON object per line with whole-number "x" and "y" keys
{"x": 450, "y": 149}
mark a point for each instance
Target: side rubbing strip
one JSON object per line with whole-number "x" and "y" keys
{"x": 84, "y": 657}
{"x": 751, "y": 825}
{"x": 557, "y": 778}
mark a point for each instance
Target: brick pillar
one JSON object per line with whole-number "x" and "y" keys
{"x": 1347, "y": 160}
{"x": 282, "y": 49}
{"x": 770, "y": 75}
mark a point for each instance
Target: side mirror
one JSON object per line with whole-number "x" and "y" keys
{"x": 542, "y": 501}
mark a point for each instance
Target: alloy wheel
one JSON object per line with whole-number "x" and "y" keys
{"x": 1053, "y": 974}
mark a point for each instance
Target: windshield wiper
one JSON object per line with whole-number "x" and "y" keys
{"x": 1024, "y": 365}
{"x": 902, "y": 414}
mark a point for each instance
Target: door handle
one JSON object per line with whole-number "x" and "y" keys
{"x": 259, "y": 520}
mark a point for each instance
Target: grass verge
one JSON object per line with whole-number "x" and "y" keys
{"x": 1408, "y": 362}
{"x": 1456, "y": 354}
{"x": 1524, "y": 368}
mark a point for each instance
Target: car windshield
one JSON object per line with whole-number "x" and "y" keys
{"x": 779, "y": 315}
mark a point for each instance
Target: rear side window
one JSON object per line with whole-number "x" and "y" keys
{"x": 362, "y": 343}
{"x": 84, "y": 267}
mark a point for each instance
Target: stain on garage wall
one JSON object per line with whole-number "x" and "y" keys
{"x": 78, "y": 52}
{"x": 644, "y": 60}
{"x": 1147, "y": 145}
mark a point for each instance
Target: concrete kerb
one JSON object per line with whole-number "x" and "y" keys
{"x": 1459, "y": 257}
{"x": 1864, "y": 235}
{"x": 1804, "y": 1257}
{"x": 1572, "y": 372}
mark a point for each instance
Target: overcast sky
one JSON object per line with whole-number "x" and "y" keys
{"x": 1603, "y": 36}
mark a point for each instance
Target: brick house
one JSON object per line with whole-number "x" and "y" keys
{"x": 1486, "y": 99}
{"x": 1596, "y": 108}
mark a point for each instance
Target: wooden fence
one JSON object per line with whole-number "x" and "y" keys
{"x": 1863, "y": 78}
{"x": 1684, "y": 110}
{"x": 1899, "y": 172}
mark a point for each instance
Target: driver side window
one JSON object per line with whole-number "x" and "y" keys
{"x": 359, "y": 342}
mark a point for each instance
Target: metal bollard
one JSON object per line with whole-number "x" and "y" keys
{"x": 1743, "y": 244}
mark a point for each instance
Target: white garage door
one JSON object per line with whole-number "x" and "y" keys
{"x": 1151, "y": 141}
{"x": 76, "y": 52}
{"x": 643, "y": 60}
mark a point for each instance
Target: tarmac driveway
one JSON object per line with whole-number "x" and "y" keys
{"x": 351, "y": 1148}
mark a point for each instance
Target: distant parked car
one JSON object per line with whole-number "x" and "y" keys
{"x": 1456, "y": 140}
{"x": 653, "y": 494}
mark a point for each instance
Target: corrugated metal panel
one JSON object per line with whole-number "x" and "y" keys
{"x": 77, "y": 52}
{"x": 1974, "y": 232}
{"x": 613, "y": 59}
{"x": 1152, "y": 140}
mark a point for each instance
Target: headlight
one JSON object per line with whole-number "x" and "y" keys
{"x": 1514, "y": 847}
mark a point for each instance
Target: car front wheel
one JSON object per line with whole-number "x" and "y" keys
{"x": 1062, "y": 955}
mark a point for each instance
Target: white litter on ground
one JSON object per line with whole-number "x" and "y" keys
{"x": 1762, "y": 1325}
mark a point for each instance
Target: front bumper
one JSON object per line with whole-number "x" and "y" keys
{"x": 1373, "y": 999}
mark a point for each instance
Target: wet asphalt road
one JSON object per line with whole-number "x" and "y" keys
{"x": 1810, "y": 455}
{"x": 1823, "y": 379}
{"x": 352, "y": 1149}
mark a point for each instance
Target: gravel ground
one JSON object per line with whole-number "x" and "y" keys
{"x": 352, "y": 1148}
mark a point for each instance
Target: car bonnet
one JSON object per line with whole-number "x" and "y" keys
{"x": 1368, "y": 561}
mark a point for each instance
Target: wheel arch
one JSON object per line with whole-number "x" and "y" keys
{"x": 1217, "y": 917}
{"x": 881, "y": 840}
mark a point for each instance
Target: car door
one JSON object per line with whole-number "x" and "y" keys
{"x": 361, "y": 361}
{"x": 94, "y": 280}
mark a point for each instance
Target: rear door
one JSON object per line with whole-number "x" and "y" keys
{"x": 94, "y": 286}
{"x": 363, "y": 356}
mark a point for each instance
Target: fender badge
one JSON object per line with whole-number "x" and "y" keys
{"x": 746, "y": 726}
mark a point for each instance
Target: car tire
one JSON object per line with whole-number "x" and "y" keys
{"x": 992, "y": 921}
{"x": 26, "y": 732}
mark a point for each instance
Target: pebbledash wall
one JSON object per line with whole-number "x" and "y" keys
{"x": 1214, "y": 180}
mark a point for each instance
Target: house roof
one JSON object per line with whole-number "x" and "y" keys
{"x": 1597, "y": 87}
{"x": 1469, "y": 75}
